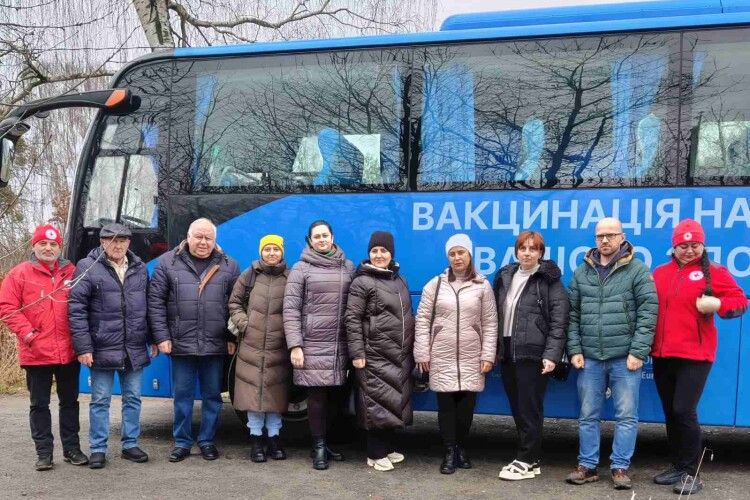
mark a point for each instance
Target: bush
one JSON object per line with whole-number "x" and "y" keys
{"x": 11, "y": 375}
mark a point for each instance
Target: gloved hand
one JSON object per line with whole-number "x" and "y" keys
{"x": 707, "y": 304}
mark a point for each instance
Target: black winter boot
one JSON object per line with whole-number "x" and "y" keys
{"x": 275, "y": 451}
{"x": 449, "y": 461}
{"x": 257, "y": 454}
{"x": 319, "y": 454}
{"x": 462, "y": 459}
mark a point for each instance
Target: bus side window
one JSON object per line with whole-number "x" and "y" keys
{"x": 447, "y": 153}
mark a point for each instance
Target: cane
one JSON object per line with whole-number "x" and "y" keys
{"x": 695, "y": 476}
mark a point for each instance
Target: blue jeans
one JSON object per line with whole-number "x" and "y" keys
{"x": 101, "y": 396}
{"x": 208, "y": 371}
{"x": 256, "y": 420}
{"x": 593, "y": 381}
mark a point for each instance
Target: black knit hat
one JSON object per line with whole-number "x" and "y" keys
{"x": 382, "y": 239}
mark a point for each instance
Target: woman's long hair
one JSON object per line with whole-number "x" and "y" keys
{"x": 706, "y": 268}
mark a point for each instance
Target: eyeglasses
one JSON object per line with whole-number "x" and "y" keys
{"x": 608, "y": 236}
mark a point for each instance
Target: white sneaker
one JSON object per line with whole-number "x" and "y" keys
{"x": 517, "y": 470}
{"x": 396, "y": 457}
{"x": 381, "y": 464}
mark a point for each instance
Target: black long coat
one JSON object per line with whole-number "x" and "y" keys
{"x": 380, "y": 329}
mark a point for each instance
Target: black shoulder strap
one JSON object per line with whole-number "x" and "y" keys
{"x": 248, "y": 287}
{"x": 543, "y": 302}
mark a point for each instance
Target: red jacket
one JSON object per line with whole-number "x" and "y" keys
{"x": 682, "y": 331}
{"x": 34, "y": 305}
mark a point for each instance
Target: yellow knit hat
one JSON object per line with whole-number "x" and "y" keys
{"x": 271, "y": 239}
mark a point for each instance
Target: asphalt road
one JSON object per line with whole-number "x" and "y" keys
{"x": 234, "y": 476}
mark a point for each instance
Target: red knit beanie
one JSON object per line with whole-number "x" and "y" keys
{"x": 688, "y": 231}
{"x": 46, "y": 232}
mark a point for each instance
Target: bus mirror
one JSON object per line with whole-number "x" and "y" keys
{"x": 7, "y": 150}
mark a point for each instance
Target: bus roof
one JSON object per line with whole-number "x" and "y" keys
{"x": 545, "y": 22}
{"x": 633, "y": 11}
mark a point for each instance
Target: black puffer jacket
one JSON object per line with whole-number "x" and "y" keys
{"x": 380, "y": 329}
{"x": 193, "y": 318}
{"x": 541, "y": 317}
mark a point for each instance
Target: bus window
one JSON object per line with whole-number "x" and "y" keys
{"x": 103, "y": 190}
{"x": 718, "y": 102}
{"x": 292, "y": 123}
{"x": 555, "y": 113}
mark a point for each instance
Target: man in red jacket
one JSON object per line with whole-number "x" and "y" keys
{"x": 33, "y": 305}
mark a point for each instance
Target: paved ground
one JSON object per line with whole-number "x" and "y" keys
{"x": 234, "y": 476}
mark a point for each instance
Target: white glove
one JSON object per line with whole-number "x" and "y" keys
{"x": 707, "y": 305}
{"x": 232, "y": 328}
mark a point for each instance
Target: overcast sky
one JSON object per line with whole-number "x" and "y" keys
{"x": 450, "y": 7}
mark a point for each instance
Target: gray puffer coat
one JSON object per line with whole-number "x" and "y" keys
{"x": 263, "y": 370}
{"x": 314, "y": 306}
{"x": 380, "y": 330}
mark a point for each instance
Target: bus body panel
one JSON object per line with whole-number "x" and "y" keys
{"x": 568, "y": 232}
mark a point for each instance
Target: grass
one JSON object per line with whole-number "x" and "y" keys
{"x": 11, "y": 375}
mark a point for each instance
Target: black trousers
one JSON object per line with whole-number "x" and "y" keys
{"x": 455, "y": 414}
{"x": 680, "y": 384}
{"x": 380, "y": 443}
{"x": 525, "y": 386}
{"x": 323, "y": 404}
{"x": 39, "y": 383}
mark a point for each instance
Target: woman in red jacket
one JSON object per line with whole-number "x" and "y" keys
{"x": 691, "y": 289}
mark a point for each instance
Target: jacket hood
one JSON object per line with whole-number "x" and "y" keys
{"x": 478, "y": 278}
{"x": 548, "y": 270}
{"x": 368, "y": 269}
{"x": 264, "y": 268}
{"x": 316, "y": 259}
{"x": 625, "y": 255}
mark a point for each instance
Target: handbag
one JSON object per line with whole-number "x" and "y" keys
{"x": 562, "y": 367}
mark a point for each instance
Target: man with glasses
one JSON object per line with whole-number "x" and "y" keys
{"x": 613, "y": 309}
{"x": 187, "y": 310}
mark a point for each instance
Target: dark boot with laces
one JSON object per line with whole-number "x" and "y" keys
{"x": 449, "y": 460}
{"x": 275, "y": 451}
{"x": 257, "y": 453}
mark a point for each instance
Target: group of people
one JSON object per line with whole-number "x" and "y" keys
{"x": 324, "y": 320}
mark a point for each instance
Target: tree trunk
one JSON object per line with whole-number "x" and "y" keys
{"x": 154, "y": 18}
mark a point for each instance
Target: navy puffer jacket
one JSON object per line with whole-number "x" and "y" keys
{"x": 194, "y": 320}
{"x": 107, "y": 318}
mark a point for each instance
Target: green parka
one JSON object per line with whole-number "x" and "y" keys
{"x": 615, "y": 317}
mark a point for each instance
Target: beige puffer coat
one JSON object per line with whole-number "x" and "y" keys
{"x": 464, "y": 333}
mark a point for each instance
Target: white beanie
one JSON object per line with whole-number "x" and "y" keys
{"x": 459, "y": 240}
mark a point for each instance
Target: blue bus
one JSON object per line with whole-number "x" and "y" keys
{"x": 546, "y": 119}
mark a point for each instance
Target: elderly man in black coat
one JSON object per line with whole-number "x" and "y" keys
{"x": 187, "y": 309}
{"x": 107, "y": 313}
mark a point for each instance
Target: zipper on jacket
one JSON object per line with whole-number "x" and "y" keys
{"x": 679, "y": 277}
{"x": 515, "y": 319}
{"x": 123, "y": 308}
{"x": 700, "y": 331}
{"x": 265, "y": 339}
{"x": 458, "y": 331}
{"x": 601, "y": 302}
